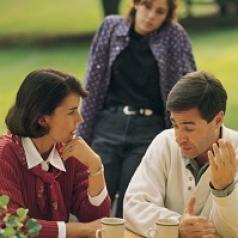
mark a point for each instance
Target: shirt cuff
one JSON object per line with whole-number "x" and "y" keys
{"x": 62, "y": 229}
{"x": 97, "y": 200}
{"x": 224, "y": 192}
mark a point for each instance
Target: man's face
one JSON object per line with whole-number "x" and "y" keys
{"x": 195, "y": 135}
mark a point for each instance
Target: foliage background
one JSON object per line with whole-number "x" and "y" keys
{"x": 215, "y": 50}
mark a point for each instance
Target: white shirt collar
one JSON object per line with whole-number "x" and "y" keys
{"x": 33, "y": 157}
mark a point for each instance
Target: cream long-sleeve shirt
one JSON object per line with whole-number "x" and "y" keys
{"x": 162, "y": 186}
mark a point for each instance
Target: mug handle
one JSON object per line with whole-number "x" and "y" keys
{"x": 98, "y": 232}
{"x": 151, "y": 232}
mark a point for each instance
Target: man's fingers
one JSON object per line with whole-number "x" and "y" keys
{"x": 218, "y": 158}
{"x": 232, "y": 153}
{"x": 212, "y": 162}
{"x": 195, "y": 220}
{"x": 208, "y": 236}
{"x": 196, "y": 226}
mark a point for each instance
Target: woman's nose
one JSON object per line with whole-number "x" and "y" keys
{"x": 151, "y": 14}
{"x": 79, "y": 118}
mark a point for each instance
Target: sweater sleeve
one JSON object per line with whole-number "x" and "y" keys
{"x": 10, "y": 185}
{"x": 145, "y": 196}
{"x": 225, "y": 214}
{"x": 81, "y": 202}
{"x": 95, "y": 78}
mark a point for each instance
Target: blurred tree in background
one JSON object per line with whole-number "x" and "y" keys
{"x": 36, "y": 34}
{"x": 110, "y": 7}
{"x": 225, "y": 7}
{"x": 228, "y": 6}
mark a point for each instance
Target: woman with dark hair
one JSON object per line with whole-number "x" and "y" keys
{"x": 44, "y": 168}
{"x": 133, "y": 64}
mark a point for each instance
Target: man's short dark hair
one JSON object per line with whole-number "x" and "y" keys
{"x": 199, "y": 90}
{"x": 39, "y": 94}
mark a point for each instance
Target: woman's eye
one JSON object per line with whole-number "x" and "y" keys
{"x": 71, "y": 113}
{"x": 148, "y": 5}
{"x": 161, "y": 11}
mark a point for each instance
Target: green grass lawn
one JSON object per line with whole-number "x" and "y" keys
{"x": 62, "y": 17}
{"x": 215, "y": 51}
{"x": 15, "y": 63}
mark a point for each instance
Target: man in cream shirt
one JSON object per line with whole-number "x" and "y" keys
{"x": 189, "y": 172}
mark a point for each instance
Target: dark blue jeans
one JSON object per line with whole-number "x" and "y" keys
{"x": 121, "y": 141}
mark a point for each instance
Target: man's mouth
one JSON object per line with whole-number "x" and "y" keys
{"x": 185, "y": 148}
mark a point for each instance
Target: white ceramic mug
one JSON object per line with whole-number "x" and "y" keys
{"x": 164, "y": 228}
{"x": 112, "y": 227}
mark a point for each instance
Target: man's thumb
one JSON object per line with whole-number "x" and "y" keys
{"x": 190, "y": 207}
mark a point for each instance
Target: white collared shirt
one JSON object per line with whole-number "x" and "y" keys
{"x": 33, "y": 158}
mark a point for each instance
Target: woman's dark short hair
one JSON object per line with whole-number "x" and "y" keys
{"x": 39, "y": 94}
{"x": 172, "y": 4}
{"x": 198, "y": 90}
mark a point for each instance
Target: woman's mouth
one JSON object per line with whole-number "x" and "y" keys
{"x": 148, "y": 24}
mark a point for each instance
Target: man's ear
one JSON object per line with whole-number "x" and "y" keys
{"x": 219, "y": 118}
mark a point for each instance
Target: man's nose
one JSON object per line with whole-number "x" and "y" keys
{"x": 181, "y": 137}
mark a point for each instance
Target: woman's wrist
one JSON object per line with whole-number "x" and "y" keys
{"x": 97, "y": 172}
{"x": 95, "y": 165}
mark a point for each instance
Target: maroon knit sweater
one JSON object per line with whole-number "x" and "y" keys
{"x": 19, "y": 184}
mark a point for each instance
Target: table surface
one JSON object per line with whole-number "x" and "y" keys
{"x": 130, "y": 234}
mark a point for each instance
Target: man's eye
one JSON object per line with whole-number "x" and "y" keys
{"x": 190, "y": 129}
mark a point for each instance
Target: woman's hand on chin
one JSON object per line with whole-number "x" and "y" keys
{"x": 80, "y": 150}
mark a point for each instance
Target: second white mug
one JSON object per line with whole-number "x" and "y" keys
{"x": 164, "y": 228}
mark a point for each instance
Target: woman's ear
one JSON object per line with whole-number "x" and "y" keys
{"x": 43, "y": 121}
